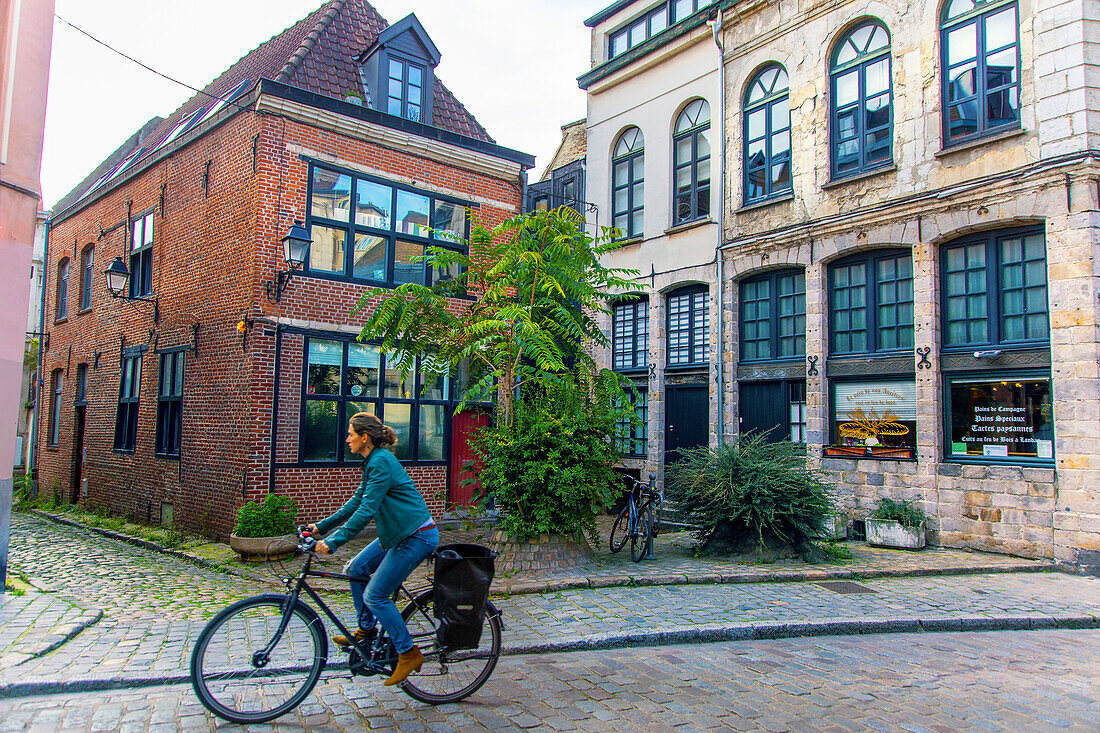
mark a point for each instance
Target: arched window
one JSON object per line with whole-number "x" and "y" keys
{"x": 86, "y": 274}
{"x": 981, "y": 68}
{"x": 63, "y": 288}
{"x": 628, "y": 183}
{"x": 691, "y": 162}
{"x": 767, "y": 134}
{"x": 862, "y": 100}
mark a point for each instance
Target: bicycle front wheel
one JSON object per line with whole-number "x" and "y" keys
{"x": 620, "y": 530}
{"x": 449, "y": 675}
{"x": 639, "y": 541}
{"x": 257, "y": 659}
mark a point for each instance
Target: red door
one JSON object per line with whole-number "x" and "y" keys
{"x": 462, "y": 426}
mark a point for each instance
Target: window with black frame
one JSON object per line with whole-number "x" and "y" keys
{"x": 405, "y": 89}
{"x": 628, "y": 183}
{"x": 649, "y": 24}
{"x": 691, "y": 163}
{"x": 342, "y": 378}
{"x": 995, "y": 290}
{"x": 129, "y": 396}
{"x": 871, "y": 303}
{"x": 688, "y": 326}
{"x": 141, "y": 256}
{"x": 631, "y": 437}
{"x": 170, "y": 404}
{"x": 62, "y": 289}
{"x": 862, "y": 101}
{"x": 773, "y": 316}
{"x": 630, "y": 335}
{"x": 1000, "y": 418}
{"x": 873, "y": 417}
{"x": 86, "y": 278}
{"x": 368, "y": 229}
{"x": 767, "y": 135}
{"x": 980, "y": 58}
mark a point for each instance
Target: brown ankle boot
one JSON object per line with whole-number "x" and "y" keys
{"x": 357, "y": 635}
{"x": 407, "y": 663}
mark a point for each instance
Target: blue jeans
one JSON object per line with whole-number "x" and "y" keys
{"x": 387, "y": 570}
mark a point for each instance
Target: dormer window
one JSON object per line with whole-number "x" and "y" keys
{"x": 405, "y": 90}
{"x": 398, "y": 71}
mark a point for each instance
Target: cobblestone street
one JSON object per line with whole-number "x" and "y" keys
{"x": 992, "y": 681}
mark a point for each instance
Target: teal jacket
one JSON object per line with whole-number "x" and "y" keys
{"x": 388, "y": 496}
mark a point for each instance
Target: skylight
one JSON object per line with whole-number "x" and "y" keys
{"x": 115, "y": 171}
{"x": 180, "y": 127}
{"x": 224, "y": 100}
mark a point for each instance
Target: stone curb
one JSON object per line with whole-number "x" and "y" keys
{"x": 55, "y": 640}
{"x": 554, "y": 585}
{"x": 684, "y": 635}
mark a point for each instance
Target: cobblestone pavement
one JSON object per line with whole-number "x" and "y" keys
{"x": 155, "y": 605}
{"x": 990, "y": 681}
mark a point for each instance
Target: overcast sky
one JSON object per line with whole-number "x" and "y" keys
{"x": 513, "y": 63}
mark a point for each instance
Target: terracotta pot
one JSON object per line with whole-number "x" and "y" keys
{"x": 258, "y": 549}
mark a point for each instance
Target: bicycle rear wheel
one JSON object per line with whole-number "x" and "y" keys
{"x": 449, "y": 675}
{"x": 248, "y": 666}
{"x": 620, "y": 530}
{"x": 639, "y": 541}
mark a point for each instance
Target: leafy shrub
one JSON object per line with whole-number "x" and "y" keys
{"x": 551, "y": 470}
{"x": 272, "y": 517}
{"x": 750, "y": 494}
{"x": 904, "y": 513}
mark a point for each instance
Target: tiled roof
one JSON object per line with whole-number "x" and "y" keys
{"x": 318, "y": 54}
{"x": 573, "y": 146}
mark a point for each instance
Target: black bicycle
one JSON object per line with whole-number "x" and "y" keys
{"x": 261, "y": 657}
{"x": 638, "y": 521}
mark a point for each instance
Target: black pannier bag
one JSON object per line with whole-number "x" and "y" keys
{"x": 462, "y": 577}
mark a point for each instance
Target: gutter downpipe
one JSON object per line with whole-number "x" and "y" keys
{"x": 716, "y": 27}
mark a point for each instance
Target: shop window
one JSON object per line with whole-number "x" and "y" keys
{"x": 370, "y": 230}
{"x": 1007, "y": 418}
{"x": 688, "y": 326}
{"x": 773, "y": 316}
{"x": 874, "y": 418}
{"x": 170, "y": 405}
{"x": 141, "y": 256}
{"x": 632, "y": 437}
{"x": 129, "y": 397}
{"x": 980, "y": 63}
{"x": 871, "y": 303}
{"x": 630, "y": 335}
{"x": 767, "y": 135}
{"x": 342, "y": 378}
{"x": 862, "y": 101}
{"x": 691, "y": 163}
{"x": 628, "y": 183}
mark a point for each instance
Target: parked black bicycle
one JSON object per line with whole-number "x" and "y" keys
{"x": 639, "y": 521}
{"x": 261, "y": 657}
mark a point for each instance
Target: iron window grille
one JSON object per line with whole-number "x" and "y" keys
{"x": 995, "y": 290}
{"x": 862, "y": 101}
{"x": 767, "y": 135}
{"x": 871, "y": 303}
{"x": 170, "y": 404}
{"x": 368, "y": 229}
{"x": 628, "y": 183}
{"x": 688, "y": 326}
{"x": 341, "y": 378}
{"x": 141, "y": 256}
{"x": 129, "y": 398}
{"x": 980, "y": 59}
{"x": 691, "y": 163}
{"x": 87, "y": 277}
{"x": 63, "y": 289}
{"x": 630, "y": 335}
{"x": 773, "y": 316}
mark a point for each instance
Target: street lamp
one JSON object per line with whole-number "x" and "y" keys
{"x": 295, "y": 249}
{"x": 118, "y": 277}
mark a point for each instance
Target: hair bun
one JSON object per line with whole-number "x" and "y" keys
{"x": 389, "y": 436}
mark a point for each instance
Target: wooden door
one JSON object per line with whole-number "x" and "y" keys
{"x": 462, "y": 426}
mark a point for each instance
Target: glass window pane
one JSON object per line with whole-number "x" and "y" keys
{"x": 847, "y": 88}
{"x": 959, "y": 7}
{"x": 449, "y": 221}
{"x": 412, "y": 213}
{"x": 363, "y": 370}
{"x": 658, "y": 21}
{"x": 404, "y": 269}
{"x": 780, "y": 114}
{"x": 326, "y": 254}
{"x": 618, "y": 43}
{"x": 372, "y": 204}
{"x": 414, "y": 75}
{"x": 396, "y": 386}
{"x": 962, "y": 44}
{"x": 177, "y": 384}
{"x": 1000, "y": 29}
{"x": 319, "y": 431}
{"x": 637, "y": 33}
{"x": 324, "y": 360}
{"x": 1000, "y": 68}
{"x": 1006, "y": 419}
{"x": 962, "y": 83}
{"x": 331, "y": 195}
{"x": 756, "y": 124}
{"x": 877, "y": 77}
{"x": 1002, "y": 107}
{"x": 431, "y": 431}
{"x": 369, "y": 257}
{"x": 396, "y": 69}
{"x": 399, "y": 417}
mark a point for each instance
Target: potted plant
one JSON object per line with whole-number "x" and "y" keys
{"x": 264, "y": 529}
{"x": 896, "y": 524}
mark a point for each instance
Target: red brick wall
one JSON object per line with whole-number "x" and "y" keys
{"x": 213, "y": 252}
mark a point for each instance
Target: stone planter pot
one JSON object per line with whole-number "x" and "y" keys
{"x": 836, "y": 527}
{"x": 888, "y": 533}
{"x": 258, "y": 549}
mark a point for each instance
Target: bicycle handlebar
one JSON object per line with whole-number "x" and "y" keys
{"x": 306, "y": 541}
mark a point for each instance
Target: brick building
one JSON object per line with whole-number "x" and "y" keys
{"x": 215, "y": 379}
{"x": 905, "y": 279}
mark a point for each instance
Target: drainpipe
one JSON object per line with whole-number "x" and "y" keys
{"x": 716, "y": 28}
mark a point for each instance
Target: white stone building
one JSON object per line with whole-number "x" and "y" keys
{"x": 907, "y": 278}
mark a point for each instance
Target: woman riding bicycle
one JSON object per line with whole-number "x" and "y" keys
{"x": 406, "y": 535}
